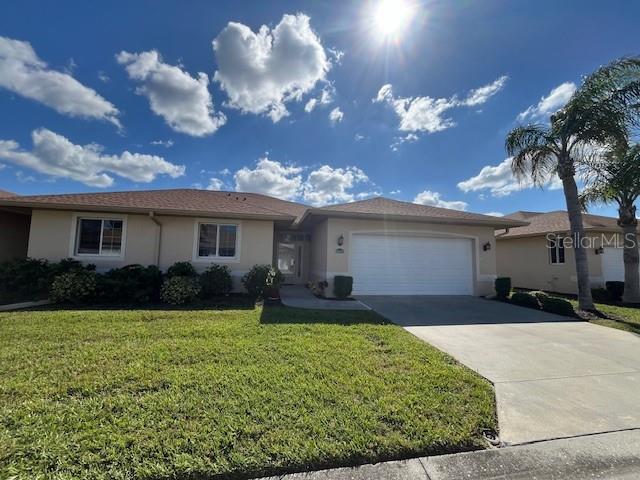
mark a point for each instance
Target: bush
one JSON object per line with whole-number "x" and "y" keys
{"x": 130, "y": 284}
{"x": 524, "y": 299}
{"x": 615, "y": 289}
{"x": 216, "y": 281}
{"x": 540, "y": 295}
{"x": 557, "y": 305}
{"x": 260, "y": 279}
{"x": 78, "y": 286}
{"x": 503, "y": 287}
{"x": 180, "y": 290}
{"x": 181, "y": 269}
{"x": 342, "y": 286}
{"x": 600, "y": 295}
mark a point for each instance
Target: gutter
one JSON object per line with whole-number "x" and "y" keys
{"x": 154, "y": 219}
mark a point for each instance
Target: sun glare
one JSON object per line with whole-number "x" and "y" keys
{"x": 392, "y": 16}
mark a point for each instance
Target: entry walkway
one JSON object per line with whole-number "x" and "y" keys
{"x": 298, "y": 296}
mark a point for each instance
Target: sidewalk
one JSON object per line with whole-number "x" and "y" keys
{"x": 605, "y": 456}
{"x": 298, "y": 296}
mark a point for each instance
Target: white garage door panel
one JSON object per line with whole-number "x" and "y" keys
{"x": 403, "y": 265}
{"x": 613, "y": 264}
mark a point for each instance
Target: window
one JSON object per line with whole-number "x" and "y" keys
{"x": 556, "y": 250}
{"x": 217, "y": 240}
{"x": 99, "y": 236}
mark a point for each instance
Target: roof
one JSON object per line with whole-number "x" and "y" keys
{"x": 555, "y": 222}
{"x": 380, "y": 207}
{"x": 7, "y": 194}
{"x": 176, "y": 201}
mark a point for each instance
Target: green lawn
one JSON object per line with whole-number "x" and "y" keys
{"x": 623, "y": 318}
{"x": 239, "y": 392}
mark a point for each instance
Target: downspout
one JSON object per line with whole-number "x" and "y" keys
{"x": 155, "y": 220}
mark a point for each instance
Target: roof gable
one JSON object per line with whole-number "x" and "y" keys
{"x": 557, "y": 222}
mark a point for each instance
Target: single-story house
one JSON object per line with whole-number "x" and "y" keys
{"x": 540, "y": 255}
{"x": 14, "y": 231}
{"x": 388, "y": 246}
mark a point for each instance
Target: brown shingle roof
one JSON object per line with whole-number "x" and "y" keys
{"x": 7, "y": 194}
{"x": 386, "y": 207}
{"x": 179, "y": 201}
{"x": 555, "y": 222}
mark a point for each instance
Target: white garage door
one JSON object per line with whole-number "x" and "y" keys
{"x": 406, "y": 265}
{"x": 613, "y": 264}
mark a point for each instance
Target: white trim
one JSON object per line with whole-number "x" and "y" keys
{"x": 215, "y": 221}
{"x": 96, "y": 216}
{"x": 557, "y": 250}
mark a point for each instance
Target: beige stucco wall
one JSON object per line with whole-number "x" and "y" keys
{"x": 338, "y": 263}
{"x": 526, "y": 260}
{"x": 51, "y": 232}
{"x": 318, "y": 257}
{"x": 14, "y": 235}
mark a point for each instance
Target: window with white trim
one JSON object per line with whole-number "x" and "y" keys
{"x": 99, "y": 236}
{"x": 217, "y": 240}
{"x": 556, "y": 250}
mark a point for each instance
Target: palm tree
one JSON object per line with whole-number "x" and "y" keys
{"x": 596, "y": 114}
{"x": 616, "y": 179}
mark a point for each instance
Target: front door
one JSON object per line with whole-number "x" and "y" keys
{"x": 290, "y": 257}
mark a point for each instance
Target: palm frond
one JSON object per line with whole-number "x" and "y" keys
{"x": 533, "y": 151}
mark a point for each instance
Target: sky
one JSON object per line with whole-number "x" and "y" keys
{"x": 318, "y": 102}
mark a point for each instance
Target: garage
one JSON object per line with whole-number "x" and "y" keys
{"x": 613, "y": 264}
{"x": 389, "y": 264}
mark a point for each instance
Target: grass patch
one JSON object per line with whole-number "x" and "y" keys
{"x": 202, "y": 394}
{"x": 620, "y": 317}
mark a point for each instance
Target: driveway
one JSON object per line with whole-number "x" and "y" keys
{"x": 553, "y": 378}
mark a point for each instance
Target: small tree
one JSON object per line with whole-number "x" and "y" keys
{"x": 615, "y": 178}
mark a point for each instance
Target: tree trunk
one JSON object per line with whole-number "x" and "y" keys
{"x": 585, "y": 301}
{"x": 627, "y": 220}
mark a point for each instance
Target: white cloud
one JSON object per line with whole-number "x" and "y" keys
{"x": 225, "y": 171}
{"x": 395, "y": 192}
{"x": 271, "y": 178}
{"x": 330, "y": 185}
{"x": 480, "y": 95}
{"x": 55, "y": 155}
{"x": 426, "y": 114}
{"x": 398, "y": 141}
{"x": 359, "y": 137}
{"x": 215, "y": 184}
{"x": 550, "y": 104}
{"x": 103, "y": 77}
{"x": 261, "y": 72}
{"x": 182, "y": 100}
{"x": 310, "y": 105}
{"x": 22, "y": 72}
{"x": 495, "y": 214}
{"x": 326, "y": 97}
{"x": 434, "y": 199}
{"x": 500, "y": 182}
{"x": 336, "y": 115}
{"x": 163, "y": 143}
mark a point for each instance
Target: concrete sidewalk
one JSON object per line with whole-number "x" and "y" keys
{"x": 298, "y": 296}
{"x": 605, "y": 456}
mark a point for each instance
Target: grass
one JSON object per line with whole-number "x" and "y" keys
{"x": 621, "y": 317}
{"x": 224, "y": 393}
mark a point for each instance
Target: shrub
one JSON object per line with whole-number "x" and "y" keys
{"x": 540, "y": 295}
{"x": 180, "y": 290}
{"x": 216, "y": 281}
{"x": 261, "y": 278}
{"x": 181, "y": 269}
{"x": 503, "y": 287}
{"x": 131, "y": 283}
{"x": 342, "y": 286}
{"x": 78, "y": 286}
{"x": 615, "y": 289}
{"x": 557, "y": 305}
{"x": 24, "y": 279}
{"x": 524, "y": 299}
{"x": 600, "y": 295}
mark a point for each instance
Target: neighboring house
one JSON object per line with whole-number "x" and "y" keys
{"x": 388, "y": 246}
{"x": 14, "y": 231}
{"x": 540, "y": 255}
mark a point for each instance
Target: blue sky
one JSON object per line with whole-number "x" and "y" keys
{"x": 298, "y": 110}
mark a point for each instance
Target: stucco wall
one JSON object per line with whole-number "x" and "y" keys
{"x": 526, "y": 260}
{"x": 51, "y": 232}
{"x": 484, "y": 261}
{"x": 14, "y": 236}
{"x": 318, "y": 257}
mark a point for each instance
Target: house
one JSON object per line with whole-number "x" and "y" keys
{"x": 540, "y": 255}
{"x": 388, "y": 246}
{"x": 14, "y": 231}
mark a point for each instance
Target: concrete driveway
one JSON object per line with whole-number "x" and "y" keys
{"x": 553, "y": 378}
